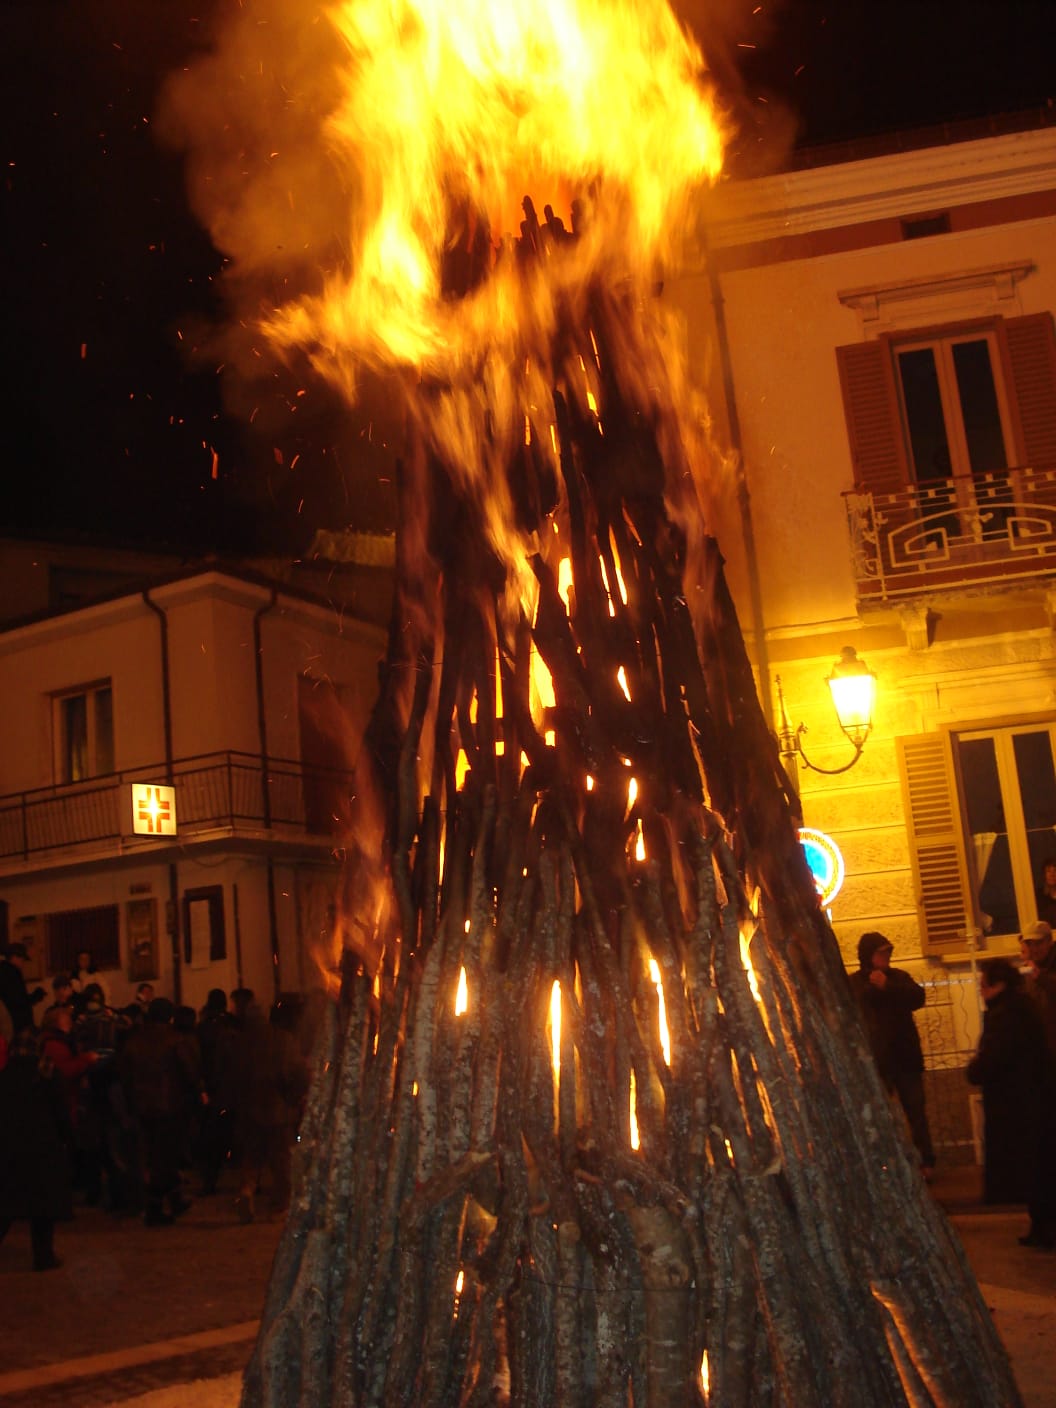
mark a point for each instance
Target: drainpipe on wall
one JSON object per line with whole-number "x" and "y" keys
{"x": 262, "y": 725}
{"x": 755, "y": 592}
{"x": 172, "y": 909}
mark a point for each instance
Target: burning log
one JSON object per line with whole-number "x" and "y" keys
{"x": 646, "y": 1157}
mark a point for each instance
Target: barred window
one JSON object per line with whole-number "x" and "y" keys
{"x": 70, "y": 931}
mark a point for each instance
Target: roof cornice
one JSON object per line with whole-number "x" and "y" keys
{"x": 878, "y": 188}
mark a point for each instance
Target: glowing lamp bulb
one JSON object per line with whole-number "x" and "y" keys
{"x": 853, "y": 687}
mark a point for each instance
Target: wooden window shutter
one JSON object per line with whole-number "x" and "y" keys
{"x": 1031, "y": 350}
{"x": 874, "y": 424}
{"x": 936, "y": 841}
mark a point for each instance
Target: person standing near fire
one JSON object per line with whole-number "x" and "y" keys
{"x": 1046, "y": 895}
{"x": 887, "y": 998}
{"x": 1015, "y": 1071}
{"x": 14, "y": 994}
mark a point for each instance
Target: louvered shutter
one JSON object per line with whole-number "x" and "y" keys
{"x": 874, "y": 425}
{"x": 1031, "y": 348}
{"x": 936, "y": 841}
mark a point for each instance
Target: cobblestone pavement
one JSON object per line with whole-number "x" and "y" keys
{"x": 123, "y": 1286}
{"x": 135, "y": 1309}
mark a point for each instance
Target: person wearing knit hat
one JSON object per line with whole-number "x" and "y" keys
{"x": 887, "y": 998}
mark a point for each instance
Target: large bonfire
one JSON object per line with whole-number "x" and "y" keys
{"x": 594, "y": 1122}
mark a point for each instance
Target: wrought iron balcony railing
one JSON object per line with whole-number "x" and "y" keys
{"x": 953, "y": 533}
{"x": 213, "y": 791}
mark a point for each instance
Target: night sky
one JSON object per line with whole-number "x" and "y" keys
{"x": 122, "y": 419}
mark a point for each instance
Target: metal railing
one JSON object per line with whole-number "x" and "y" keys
{"x": 950, "y": 533}
{"x": 214, "y": 790}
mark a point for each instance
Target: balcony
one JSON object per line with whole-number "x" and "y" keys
{"x": 215, "y": 792}
{"x": 952, "y": 534}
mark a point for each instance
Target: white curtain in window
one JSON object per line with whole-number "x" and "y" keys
{"x": 983, "y": 843}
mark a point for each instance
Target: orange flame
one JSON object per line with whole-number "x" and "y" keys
{"x": 746, "y": 960}
{"x": 447, "y": 112}
{"x": 665, "y": 1035}
{"x": 476, "y": 99}
{"x": 555, "y": 1029}
{"x": 462, "y": 995}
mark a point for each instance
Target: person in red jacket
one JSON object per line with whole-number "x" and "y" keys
{"x": 59, "y": 1048}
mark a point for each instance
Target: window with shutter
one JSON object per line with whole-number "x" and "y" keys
{"x": 936, "y": 842}
{"x": 952, "y": 433}
{"x": 873, "y": 426}
{"x": 1031, "y": 344}
{"x": 1007, "y": 782}
{"x": 949, "y": 402}
{"x": 981, "y": 811}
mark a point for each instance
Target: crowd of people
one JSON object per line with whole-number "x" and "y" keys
{"x": 123, "y": 1105}
{"x": 136, "y": 1108}
{"x": 1014, "y": 1065}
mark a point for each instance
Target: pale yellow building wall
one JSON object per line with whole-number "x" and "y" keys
{"x": 990, "y": 658}
{"x": 214, "y": 707}
{"x": 784, "y": 321}
{"x": 119, "y": 642}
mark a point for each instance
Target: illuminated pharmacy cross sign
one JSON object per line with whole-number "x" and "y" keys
{"x": 153, "y": 810}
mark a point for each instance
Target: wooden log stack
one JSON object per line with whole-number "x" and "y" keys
{"x": 478, "y": 1219}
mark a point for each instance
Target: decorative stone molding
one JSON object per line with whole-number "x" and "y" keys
{"x": 912, "y": 302}
{"x": 918, "y": 623}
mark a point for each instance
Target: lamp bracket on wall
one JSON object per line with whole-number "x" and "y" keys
{"x": 853, "y": 687}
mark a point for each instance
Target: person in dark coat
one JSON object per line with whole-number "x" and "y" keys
{"x": 13, "y": 992}
{"x": 887, "y": 998}
{"x": 272, "y": 1079}
{"x": 163, "y": 1087}
{"x": 1014, "y": 1070}
{"x": 1046, "y": 896}
{"x": 217, "y": 1039}
{"x": 1039, "y": 969}
{"x": 35, "y": 1179}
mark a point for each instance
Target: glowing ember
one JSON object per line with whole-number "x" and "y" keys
{"x": 564, "y": 582}
{"x": 462, "y": 995}
{"x": 746, "y": 959}
{"x": 555, "y": 1029}
{"x": 665, "y": 1035}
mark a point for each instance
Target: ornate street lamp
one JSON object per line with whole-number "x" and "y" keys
{"x": 853, "y": 687}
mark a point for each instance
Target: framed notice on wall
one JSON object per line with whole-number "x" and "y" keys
{"x": 141, "y": 922}
{"x": 204, "y": 937}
